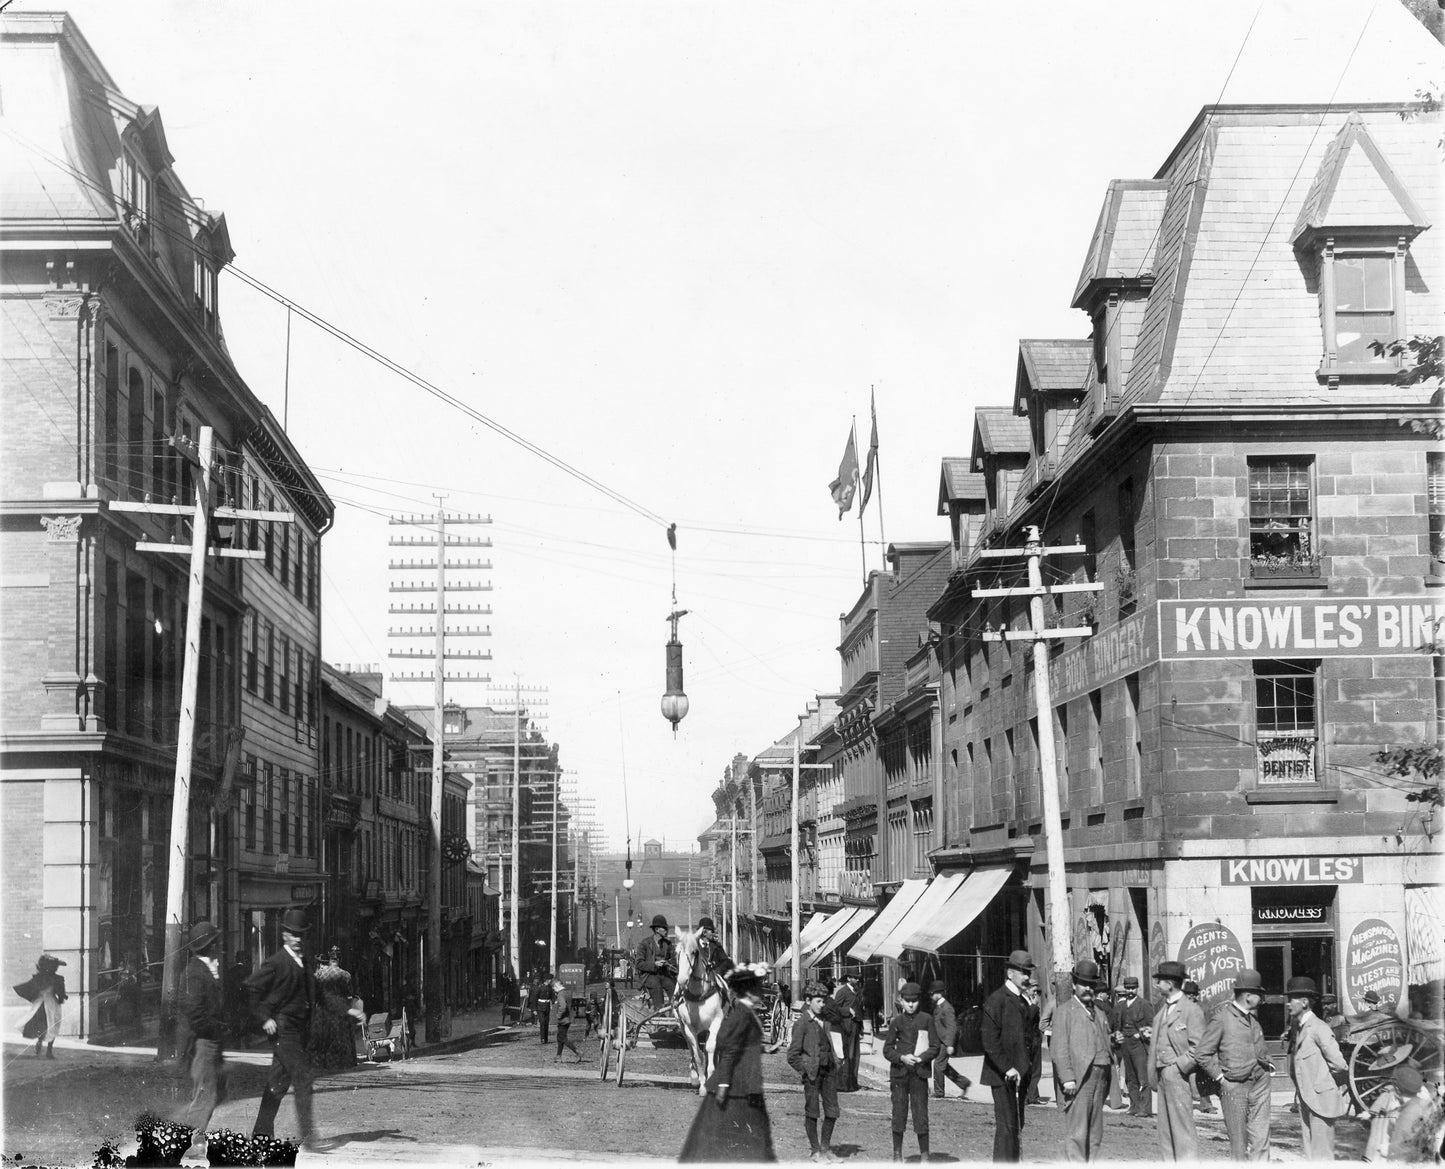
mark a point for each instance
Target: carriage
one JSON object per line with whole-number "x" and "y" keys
{"x": 1373, "y": 1054}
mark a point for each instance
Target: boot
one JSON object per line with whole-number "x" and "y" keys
{"x": 50, "y": 1051}
{"x": 38, "y": 1044}
{"x": 923, "y": 1146}
{"x": 898, "y": 1146}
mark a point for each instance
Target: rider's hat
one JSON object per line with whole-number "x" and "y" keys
{"x": 705, "y": 923}
{"x": 658, "y": 921}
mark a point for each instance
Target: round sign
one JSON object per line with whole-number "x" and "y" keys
{"x": 1213, "y": 957}
{"x": 1373, "y": 961}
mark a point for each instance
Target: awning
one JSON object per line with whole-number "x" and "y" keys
{"x": 809, "y": 932}
{"x": 1423, "y": 932}
{"x": 908, "y": 893}
{"x": 946, "y": 921}
{"x": 939, "y": 890}
{"x": 835, "y": 922}
{"x": 855, "y": 923}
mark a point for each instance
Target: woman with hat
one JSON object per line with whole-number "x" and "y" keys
{"x": 732, "y": 1123}
{"x": 331, "y": 1043}
{"x": 203, "y": 1028}
{"x": 657, "y": 963}
{"x": 46, "y": 989}
{"x": 1174, "y": 1039}
{"x": 1313, "y": 1068}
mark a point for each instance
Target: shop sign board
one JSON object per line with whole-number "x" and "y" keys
{"x": 1293, "y": 870}
{"x": 1298, "y": 627}
{"x": 1373, "y": 961}
{"x": 1290, "y": 914}
{"x": 1213, "y": 956}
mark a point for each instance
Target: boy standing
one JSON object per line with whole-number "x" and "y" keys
{"x": 811, "y": 1055}
{"x": 910, "y": 1046}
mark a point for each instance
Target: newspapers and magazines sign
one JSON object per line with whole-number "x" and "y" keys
{"x": 1298, "y": 627}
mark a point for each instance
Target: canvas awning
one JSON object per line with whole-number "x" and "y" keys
{"x": 928, "y": 928}
{"x": 809, "y": 932}
{"x": 836, "y": 921}
{"x": 892, "y": 914}
{"x": 855, "y": 923}
{"x": 939, "y": 890}
{"x": 1424, "y": 931}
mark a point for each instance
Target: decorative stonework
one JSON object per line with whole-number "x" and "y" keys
{"x": 63, "y": 529}
{"x": 65, "y": 306}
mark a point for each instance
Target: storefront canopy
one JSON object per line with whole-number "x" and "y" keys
{"x": 836, "y": 921}
{"x": 908, "y": 893}
{"x": 929, "y": 928}
{"x": 939, "y": 890}
{"x": 810, "y": 931}
{"x": 1424, "y": 929}
{"x": 858, "y": 919}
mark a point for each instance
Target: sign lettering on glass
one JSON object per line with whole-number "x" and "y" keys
{"x": 1309, "y": 626}
{"x": 1271, "y": 914}
{"x": 1293, "y": 870}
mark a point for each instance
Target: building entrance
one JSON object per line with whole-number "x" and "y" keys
{"x": 1279, "y": 960}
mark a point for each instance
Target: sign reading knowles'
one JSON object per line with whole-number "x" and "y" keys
{"x": 1298, "y": 627}
{"x": 1292, "y": 870}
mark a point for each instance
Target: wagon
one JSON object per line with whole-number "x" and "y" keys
{"x": 387, "y": 1038}
{"x": 624, "y": 1020}
{"x": 1371, "y": 1057}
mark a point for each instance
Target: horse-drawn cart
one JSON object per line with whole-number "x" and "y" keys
{"x": 1373, "y": 1054}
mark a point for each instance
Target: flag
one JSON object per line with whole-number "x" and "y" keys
{"x": 872, "y": 457}
{"x": 846, "y": 484}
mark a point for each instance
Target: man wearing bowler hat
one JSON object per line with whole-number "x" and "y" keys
{"x": 282, "y": 993}
{"x": 1133, "y": 1022}
{"x": 1315, "y": 1064}
{"x": 1234, "y": 1053}
{"x": 1082, "y": 1050}
{"x": 1006, "y": 1026}
{"x": 203, "y": 1027}
{"x": 1175, "y": 1036}
{"x": 657, "y": 963}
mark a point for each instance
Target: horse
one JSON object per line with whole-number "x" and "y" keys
{"x": 702, "y": 1000}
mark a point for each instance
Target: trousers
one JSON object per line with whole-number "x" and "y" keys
{"x": 1316, "y": 1132}
{"x": 1008, "y": 1119}
{"x": 1177, "y": 1140}
{"x": 820, "y": 1096}
{"x": 1136, "y": 1076}
{"x": 942, "y": 1070}
{"x": 1084, "y": 1116}
{"x": 910, "y": 1094}
{"x": 1246, "y": 1117}
{"x": 208, "y": 1085}
{"x": 290, "y": 1069}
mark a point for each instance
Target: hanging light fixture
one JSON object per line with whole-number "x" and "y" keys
{"x": 674, "y": 701}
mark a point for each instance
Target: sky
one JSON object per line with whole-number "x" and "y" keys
{"x": 676, "y": 246}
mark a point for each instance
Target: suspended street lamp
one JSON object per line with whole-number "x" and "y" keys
{"x": 674, "y": 701}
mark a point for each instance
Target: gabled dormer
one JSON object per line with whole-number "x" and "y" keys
{"x": 211, "y": 251}
{"x": 961, "y": 499}
{"x": 1052, "y": 378}
{"x": 1000, "y": 455}
{"x": 1354, "y": 231}
{"x": 1114, "y": 286}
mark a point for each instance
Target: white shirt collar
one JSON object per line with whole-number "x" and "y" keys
{"x": 295, "y": 957}
{"x": 1018, "y": 990}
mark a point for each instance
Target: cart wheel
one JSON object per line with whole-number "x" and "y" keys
{"x": 1375, "y": 1057}
{"x": 621, "y": 1061}
{"x": 604, "y": 1058}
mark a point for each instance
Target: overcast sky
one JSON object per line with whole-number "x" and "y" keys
{"x": 674, "y": 244}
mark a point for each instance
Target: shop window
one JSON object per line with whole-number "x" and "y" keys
{"x": 1286, "y": 736}
{"x": 1435, "y": 490}
{"x": 1281, "y": 518}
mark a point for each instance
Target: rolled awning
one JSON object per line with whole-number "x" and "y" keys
{"x": 943, "y": 922}
{"x": 939, "y": 890}
{"x": 855, "y": 923}
{"x": 892, "y": 914}
{"x": 809, "y": 931}
{"x": 1424, "y": 930}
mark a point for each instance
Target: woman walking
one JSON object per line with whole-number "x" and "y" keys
{"x": 46, "y": 989}
{"x": 331, "y": 1042}
{"x": 732, "y": 1123}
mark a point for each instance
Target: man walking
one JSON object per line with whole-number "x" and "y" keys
{"x": 543, "y": 996}
{"x": 1082, "y": 1056}
{"x": 811, "y": 1055}
{"x": 945, "y": 1033}
{"x": 203, "y": 1028}
{"x": 909, "y": 1047}
{"x": 1234, "y": 1053}
{"x": 1134, "y": 1018}
{"x": 1313, "y": 1067}
{"x": 850, "y": 1006}
{"x": 1006, "y": 1025}
{"x": 282, "y": 993}
{"x": 657, "y": 963}
{"x": 1174, "y": 1040}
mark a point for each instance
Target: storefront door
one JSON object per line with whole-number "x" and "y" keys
{"x": 1279, "y": 960}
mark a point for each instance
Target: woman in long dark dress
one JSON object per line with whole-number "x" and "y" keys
{"x": 732, "y": 1121}
{"x": 332, "y": 1040}
{"x": 46, "y": 990}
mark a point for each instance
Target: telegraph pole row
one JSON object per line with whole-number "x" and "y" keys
{"x": 1061, "y": 948}
{"x": 204, "y": 509}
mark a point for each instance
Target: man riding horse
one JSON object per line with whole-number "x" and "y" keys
{"x": 657, "y": 963}
{"x": 713, "y": 963}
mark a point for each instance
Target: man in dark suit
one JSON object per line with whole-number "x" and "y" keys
{"x": 945, "y": 1030}
{"x": 203, "y": 1027}
{"x": 1133, "y": 1022}
{"x": 1007, "y": 1030}
{"x": 282, "y": 992}
{"x": 850, "y": 1007}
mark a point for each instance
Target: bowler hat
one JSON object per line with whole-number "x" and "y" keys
{"x": 1302, "y": 987}
{"x": 937, "y": 987}
{"x": 295, "y": 921}
{"x": 1249, "y": 980}
{"x": 1087, "y": 972}
{"x": 1408, "y": 1080}
{"x": 1190, "y": 986}
{"x": 705, "y": 923}
{"x": 1173, "y": 970}
{"x": 1020, "y": 960}
{"x": 1131, "y": 981}
{"x": 911, "y": 992}
{"x": 1371, "y": 997}
{"x": 202, "y": 934}
{"x": 658, "y": 921}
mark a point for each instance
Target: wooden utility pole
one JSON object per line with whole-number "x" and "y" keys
{"x": 1061, "y": 948}
{"x": 435, "y": 1009}
{"x": 200, "y": 512}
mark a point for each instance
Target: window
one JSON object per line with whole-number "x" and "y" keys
{"x": 1284, "y": 714}
{"x": 270, "y": 558}
{"x": 313, "y": 568}
{"x": 283, "y": 685}
{"x": 1133, "y": 743}
{"x": 268, "y": 798}
{"x": 285, "y": 570}
{"x": 249, "y": 636}
{"x": 1061, "y": 751}
{"x": 204, "y": 288}
{"x": 284, "y": 816}
{"x": 1435, "y": 501}
{"x": 268, "y": 670}
{"x": 1364, "y": 307}
{"x": 1281, "y": 517}
{"x": 136, "y": 429}
{"x": 248, "y": 802}
{"x": 1096, "y": 747}
{"x": 112, "y": 445}
{"x": 135, "y": 191}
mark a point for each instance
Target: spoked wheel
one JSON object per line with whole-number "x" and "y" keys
{"x": 621, "y": 1061}
{"x": 605, "y": 1058}
{"x": 1377, "y": 1054}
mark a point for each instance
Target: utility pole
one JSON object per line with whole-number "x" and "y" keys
{"x": 733, "y": 856}
{"x": 1061, "y": 948}
{"x": 796, "y": 922}
{"x": 200, "y": 512}
{"x": 556, "y": 820}
{"x": 435, "y": 1010}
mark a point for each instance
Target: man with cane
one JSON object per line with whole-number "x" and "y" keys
{"x": 1007, "y": 1053}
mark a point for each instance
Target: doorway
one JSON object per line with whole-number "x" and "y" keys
{"x": 1279, "y": 960}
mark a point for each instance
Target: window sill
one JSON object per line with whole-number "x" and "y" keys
{"x": 1293, "y": 795}
{"x": 1285, "y": 582}
{"x": 1364, "y": 371}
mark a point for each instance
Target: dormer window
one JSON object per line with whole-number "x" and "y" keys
{"x": 1364, "y": 307}
{"x": 205, "y": 291}
{"x": 135, "y": 191}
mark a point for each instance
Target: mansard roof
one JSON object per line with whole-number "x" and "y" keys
{"x": 1356, "y": 187}
{"x": 1121, "y": 252}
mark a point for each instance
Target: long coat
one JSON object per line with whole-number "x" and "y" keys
{"x": 1181, "y": 1037}
{"x": 203, "y": 1007}
{"x": 1316, "y": 1058}
{"x": 281, "y": 989}
{"x": 1078, "y": 1041}
{"x": 1007, "y": 1029}
{"x": 739, "y": 1129}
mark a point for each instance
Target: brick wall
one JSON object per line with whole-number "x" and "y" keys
{"x": 22, "y": 804}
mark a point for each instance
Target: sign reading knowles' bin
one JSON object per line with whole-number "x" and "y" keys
{"x": 1373, "y": 962}
{"x": 1213, "y": 956}
{"x": 1298, "y": 627}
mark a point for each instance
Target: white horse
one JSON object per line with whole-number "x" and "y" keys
{"x": 701, "y": 1002}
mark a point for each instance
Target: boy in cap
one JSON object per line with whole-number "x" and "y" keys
{"x": 909, "y": 1046}
{"x": 1007, "y": 1022}
{"x": 945, "y": 1031}
{"x": 1314, "y": 1066}
{"x": 1175, "y": 1035}
{"x": 1233, "y": 1052}
{"x": 1133, "y": 1019}
{"x": 1414, "y": 1131}
{"x": 1082, "y": 1051}
{"x": 810, "y": 1054}
{"x": 203, "y": 1027}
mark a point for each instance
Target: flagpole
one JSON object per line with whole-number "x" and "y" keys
{"x": 878, "y": 484}
{"x": 862, "y": 543}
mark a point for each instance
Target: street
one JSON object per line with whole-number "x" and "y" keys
{"x": 497, "y": 1097}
